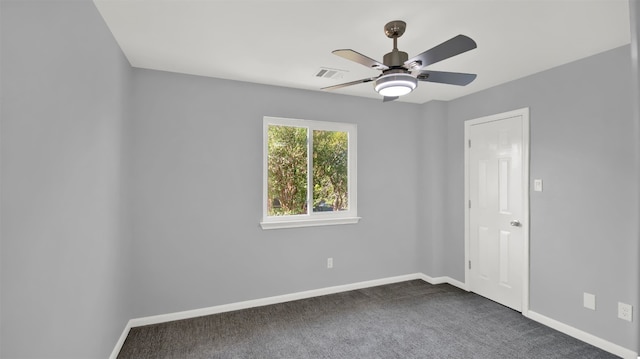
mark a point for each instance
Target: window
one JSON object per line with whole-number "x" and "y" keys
{"x": 309, "y": 175}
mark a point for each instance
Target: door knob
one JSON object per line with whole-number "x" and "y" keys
{"x": 515, "y": 223}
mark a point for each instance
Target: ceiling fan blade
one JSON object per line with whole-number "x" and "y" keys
{"x": 334, "y": 87}
{"x": 452, "y": 47}
{"x": 360, "y": 58}
{"x": 451, "y": 78}
{"x": 389, "y": 98}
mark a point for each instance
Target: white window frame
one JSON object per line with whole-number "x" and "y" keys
{"x": 348, "y": 216}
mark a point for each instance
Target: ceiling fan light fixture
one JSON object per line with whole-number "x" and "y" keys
{"x": 393, "y": 85}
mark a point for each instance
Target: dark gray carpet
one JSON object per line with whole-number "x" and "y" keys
{"x": 411, "y": 319}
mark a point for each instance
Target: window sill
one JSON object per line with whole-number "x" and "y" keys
{"x": 308, "y": 222}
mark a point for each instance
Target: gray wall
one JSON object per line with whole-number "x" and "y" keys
{"x": 584, "y": 226}
{"x": 64, "y": 255}
{"x": 197, "y": 194}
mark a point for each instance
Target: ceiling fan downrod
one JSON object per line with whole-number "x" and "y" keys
{"x": 395, "y": 58}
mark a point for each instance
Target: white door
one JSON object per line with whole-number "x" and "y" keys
{"x": 497, "y": 179}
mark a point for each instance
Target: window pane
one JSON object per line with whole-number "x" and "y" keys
{"x": 330, "y": 171}
{"x": 287, "y": 173}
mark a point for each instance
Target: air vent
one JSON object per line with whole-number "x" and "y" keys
{"x": 329, "y": 73}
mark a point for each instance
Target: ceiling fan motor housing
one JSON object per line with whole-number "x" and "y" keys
{"x": 395, "y": 58}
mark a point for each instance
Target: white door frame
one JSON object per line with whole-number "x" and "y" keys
{"x": 524, "y": 112}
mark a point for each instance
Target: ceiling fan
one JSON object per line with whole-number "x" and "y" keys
{"x": 400, "y": 74}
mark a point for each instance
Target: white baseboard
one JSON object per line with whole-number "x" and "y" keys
{"x": 269, "y": 300}
{"x": 123, "y": 337}
{"x": 440, "y": 280}
{"x": 584, "y": 336}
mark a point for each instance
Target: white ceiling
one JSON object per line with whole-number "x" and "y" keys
{"x": 285, "y": 43}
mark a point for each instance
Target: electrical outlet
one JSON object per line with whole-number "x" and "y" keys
{"x": 625, "y": 311}
{"x": 589, "y": 301}
{"x": 329, "y": 263}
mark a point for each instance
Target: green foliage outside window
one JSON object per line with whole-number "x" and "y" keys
{"x": 288, "y": 170}
{"x": 330, "y": 169}
{"x": 287, "y": 176}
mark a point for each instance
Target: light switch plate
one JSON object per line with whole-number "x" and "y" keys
{"x": 589, "y": 301}
{"x": 537, "y": 185}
